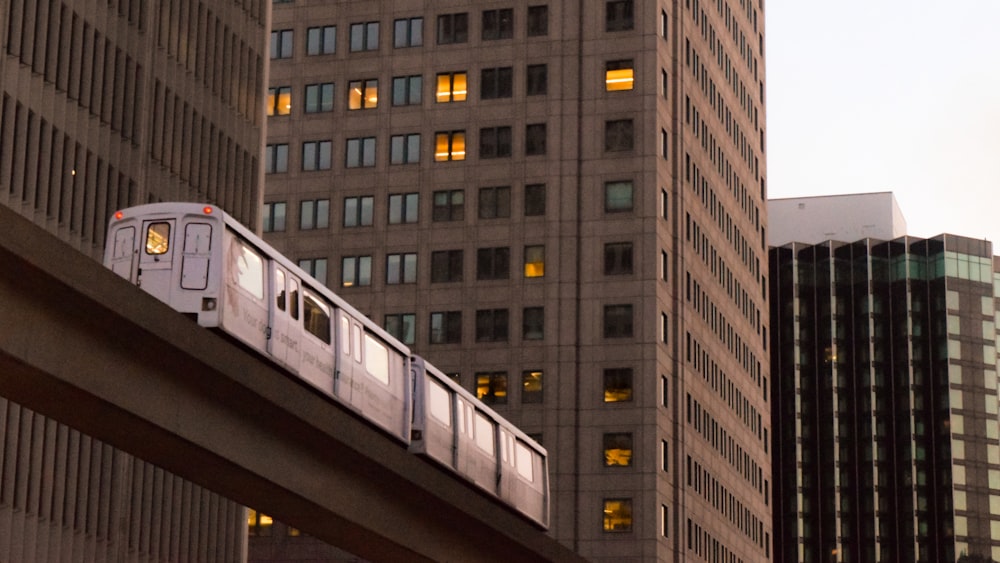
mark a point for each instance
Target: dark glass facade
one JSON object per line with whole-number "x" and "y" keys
{"x": 885, "y": 414}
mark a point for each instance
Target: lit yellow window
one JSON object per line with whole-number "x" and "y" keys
{"x": 158, "y": 238}
{"x": 279, "y": 100}
{"x": 449, "y": 145}
{"x": 452, "y": 87}
{"x": 534, "y": 261}
{"x": 258, "y": 524}
{"x": 618, "y": 450}
{"x": 362, "y": 94}
{"x": 617, "y": 515}
{"x": 619, "y": 76}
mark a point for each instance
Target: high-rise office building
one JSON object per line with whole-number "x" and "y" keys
{"x": 884, "y": 363}
{"x": 563, "y": 205}
{"x": 106, "y": 105}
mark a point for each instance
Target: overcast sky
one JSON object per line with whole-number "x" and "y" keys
{"x": 888, "y": 95}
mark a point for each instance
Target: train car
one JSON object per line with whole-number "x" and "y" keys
{"x": 203, "y": 263}
{"x": 455, "y": 429}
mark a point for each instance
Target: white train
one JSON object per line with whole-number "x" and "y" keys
{"x": 203, "y": 263}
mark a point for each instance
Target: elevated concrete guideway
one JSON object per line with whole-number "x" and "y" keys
{"x": 84, "y": 347}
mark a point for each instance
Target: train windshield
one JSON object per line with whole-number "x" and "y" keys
{"x": 157, "y": 238}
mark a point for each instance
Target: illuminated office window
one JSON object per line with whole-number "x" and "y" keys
{"x": 452, "y": 87}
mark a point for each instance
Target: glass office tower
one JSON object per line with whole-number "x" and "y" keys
{"x": 884, "y": 366}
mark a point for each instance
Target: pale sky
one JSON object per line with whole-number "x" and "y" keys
{"x": 888, "y": 95}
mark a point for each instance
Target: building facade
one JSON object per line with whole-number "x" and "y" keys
{"x": 563, "y": 205}
{"x": 883, "y": 355}
{"x": 107, "y": 105}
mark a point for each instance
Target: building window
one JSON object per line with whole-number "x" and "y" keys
{"x": 533, "y": 323}
{"x": 617, "y": 321}
{"x": 362, "y": 94}
{"x": 618, "y": 196}
{"x": 618, "y": 515}
{"x": 494, "y": 142}
{"x": 531, "y": 387}
{"x": 279, "y": 100}
{"x": 618, "y": 449}
{"x": 498, "y": 24}
{"x": 664, "y": 521}
{"x": 259, "y": 525}
{"x": 408, "y": 32}
{"x": 452, "y": 87}
{"x": 664, "y": 455}
{"x": 491, "y": 387}
{"x": 404, "y": 149}
{"x": 534, "y": 200}
{"x": 665, "y": 394}
{"x": 619, "y": 15}
{"x": 449, "y": 205}
{"x": 534, "y": 261}
{"x": 494, "y": 203}
{"x": 493, "y": 263}
{"x": 276, "y": 159}
{"x": 406, "y": 90}
{"x": 449, "y": 145}
{"x": 401, "y": 268}
{"x": 538, "y": 21}
{"x": 452, "y": 28}
{"x": 402, "y": 326}
{"x": 316, "y": 155}
{"x": 617, "y": 258}
{"x": 364, "y": 36}
{"x": 321, "y": 40}
{"x": 617, "y": 385}
{"x": 314, "y": 214}
{"x": 664, "y": 84}
{"x": 446, "y": 327}
{"x": 537, "y": 80}
{"x": 274, "y": 217}
{"x": 319, "y": 97}
{"x": 664, "y": 327}
{"x": 491, "y": 325}
{"x": 664, "y": 27}
{"x": 664, "y": 144}
{"x": 619, "y": 75}
{"x": 361, "y": 152}
{"x": 497, "y": 83}
{"x": 403, "y": 208}
{"x": 356, "y": 271}
{"x": 446, "y": 266}
{"x": 534, "y": 139}
{"x": 315, "y": 267}
{"x": 664, "y": 265}
{"x": 618, "y": 135}
{"x": 281, "y": 44}
{"x": 358, "y": 211}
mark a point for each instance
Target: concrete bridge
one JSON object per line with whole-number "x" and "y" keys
{"x": 84, "y": 347}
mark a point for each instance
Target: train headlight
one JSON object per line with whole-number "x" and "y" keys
{"x": 208, "y": 304}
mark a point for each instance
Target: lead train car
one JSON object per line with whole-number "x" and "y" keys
{"x": 205, "y": 264}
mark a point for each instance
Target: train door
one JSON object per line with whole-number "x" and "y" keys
{"x": 123, "y": 253}
{"x": 350, "y": 360}
{"x": 156, "y": 258}
{"x": 284, "y": 336}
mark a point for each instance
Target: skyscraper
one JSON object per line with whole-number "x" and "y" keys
{"x": 885, "y": 399}
{"x": 563, "y": 205}
{"x": 106, "y": 105}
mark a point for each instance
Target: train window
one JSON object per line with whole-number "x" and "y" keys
{"x": 158, "y": 238}
{"x": 197, "y": 238}
{"x": 484, "y": 434}
{"x": 293, "y": 309}
{"x": 376, "y": 359}
{"x": 345, "y": 336}
{"x": 249, "y": 270}
{"x": 356, "y": 339}
{"x": 279, "y": 289}
{"x": 523, "y": 459}
{"x": 317, "y": 316}
{"x": 439, "y": 402}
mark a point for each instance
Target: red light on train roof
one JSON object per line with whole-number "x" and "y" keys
{"x": 208, "y": 210}
{"x": 119, "y": 215}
